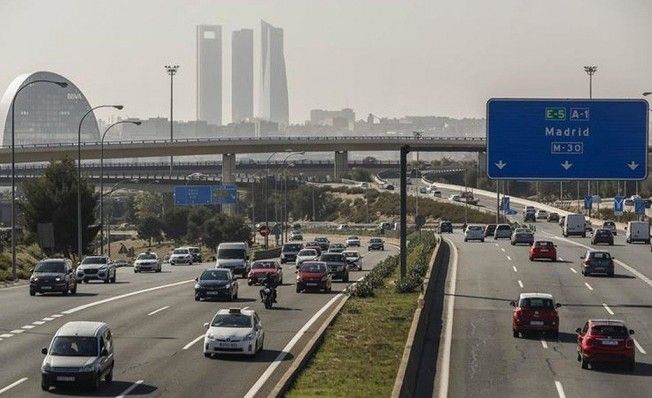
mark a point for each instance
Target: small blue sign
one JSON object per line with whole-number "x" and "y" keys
{"x": 588, "y": 202}
{"x": 557, "y": 139}
{"x": 192, "y": 195}
{"x": 504, "y": 203}
{"x": 225, "y": 194}
{"x": 639, "y": 206}
{"x": 619, "y": 205}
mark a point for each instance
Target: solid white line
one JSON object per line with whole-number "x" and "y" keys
{"x": 288, "y": 347}
{"x": 12, "y": 385}
{"x": 589, "y": 286}
{"x": 130, "y": 389}
{"x": 6, "y": 335}
{"x": 448, "y": 327}
{"x": 159, "y": 310}
{"x": 572, "y": 269}
{"x": 38, "y": 323}
{"x": 509, "y": 258}
{"x": 28, "y": 327}
{"x": 606, "y": 307}
{"x": 185, "y": 347}
{"x": 151, "y": 289}
{"x": 520, "y": 284}
{"x": 560, "y": 389}
{"x": 17, "y": 331}
{"x": 514, "y": 268}
{"x": 48, "y": 319}
{"x": 543, "y": 343}
{"x": 638, "y": 347}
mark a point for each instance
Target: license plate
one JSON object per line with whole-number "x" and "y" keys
{"x": 227, "y": 345}
{"x": 311, "y": 284}
{"x": 544, "y": 250}
{"x": 212, "y": 293}
{"x": 609, "y": 342}
{"x": 536, "y": 323}
{"x": 46, "y": 287}
{"x": 65, "y": 378}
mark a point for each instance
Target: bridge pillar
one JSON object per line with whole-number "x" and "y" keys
{"x": 341, "y": 164}
{"x": 228, "y": 168}
{"x": 482, "y": 163}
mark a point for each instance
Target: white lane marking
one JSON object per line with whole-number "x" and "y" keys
{"x": 48, "y": 319}
{"x": 17, "y": 331}
{"x": 185, "y": 347}
{"x": 448, "y": 327}
{"x": 6, "y": 335}
{"x": 638, "y": 347}
{"x": 509, "y": 258}
{"x": 38, "y": 323}
{"x": 544, "y": 343}
{"x": 130, "y": 389}
{"x": 28, "y": 327}
{"x": 502, "y": 248}
{"x": 159, "y": 310}
{"x": 496, "y": 244}
{"x": 561, "y": 259}
{"x": 151, "y": 289}
{"x": 520, "y": 284}
{"x": 56, "y": 316}
{"x": 572, "y": 270}
{"x": 560, "y": 389}
{"x": 12, "y": 385}
{"x": 244, "y": 308}
{"x": 606, "y": 307}
{"x": 514, "y": 268}
{"x": 588, "y": 286}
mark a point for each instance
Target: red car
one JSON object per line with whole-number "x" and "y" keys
{"x": 543, "y": 249}
{"x": 535, "y": 312}
{"x": 605, "y": 340}
{"x": 261, "y": 268}
{"x": 313, "y": 275}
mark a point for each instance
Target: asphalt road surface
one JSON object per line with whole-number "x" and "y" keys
{"x": 158, "y": 327}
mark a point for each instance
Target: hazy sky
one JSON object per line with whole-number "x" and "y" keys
{"x": 391, "y": 58}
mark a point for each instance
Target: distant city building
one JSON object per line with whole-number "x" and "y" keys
{"x": 341, "y": 119}
{"x": 46, "y": 113}
{"x": 274, "y": 87}
{"x": 209, "y": 73}
{"x": 242, "y": 75}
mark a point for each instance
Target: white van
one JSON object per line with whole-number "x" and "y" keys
{"x": 638, "y": 231}
{"x": 575, "y": 224}
{"x": 234, "y": 256}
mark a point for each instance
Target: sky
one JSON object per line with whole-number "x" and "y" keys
{"x": 389, "y": 58}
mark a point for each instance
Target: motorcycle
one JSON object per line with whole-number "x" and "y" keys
{"x": 267, "y": 296}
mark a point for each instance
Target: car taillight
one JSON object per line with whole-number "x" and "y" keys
{"x": 587, "y": 263}
{"x": 590, "y": 342}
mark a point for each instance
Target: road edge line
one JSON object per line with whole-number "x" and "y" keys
{"x": 12, "y": 385}
{"x": 444, "y": 357}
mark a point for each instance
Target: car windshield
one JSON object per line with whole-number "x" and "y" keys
{"x": 312, "y": 267}
{"x": 536, "y": 302}
{"x": 194, "y": 250}
{"x": 230, "y": 254}
{"x": 147, "y": 256}
{"x": 321, "y": 240}
{"x": 331, "y": 257}
{"x": 51, "y": 266}
{"x": 232, "y": 321}
{"x": 94, "y": 260}
{"x": 610, "y": 330}
{"x": 74, "y": 346}
{"x": 375, "y": 240}
{"x": 263, "y": 265}
{"x": 180, "y": 251}
{"x": 308, "y": 253}
{"x": 352, "y": 238}
{"x": 292, "y": 247}
{"x": 214, "y": 275}
{"x": 503, "y": 227}
{"x": 351, "y": 254}
{"x": 475, "y": 228}
{"x": 543, "y": 244}
{"x": 600, "y": 255}
{"x": 609, "y": 224}
{"x": 603, "y": 232}
{"x": 522, "y": 231}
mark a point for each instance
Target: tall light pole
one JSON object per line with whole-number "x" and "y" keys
{"x": 102, "y": 179}
{"x": 13, "y": 169}
{"x": 171, "y": 70}
{"x": 267, "y": 198}
{"x": 590, "y": 70}
{"x": 79, "y": 209}
{"x": 283, "y": 226}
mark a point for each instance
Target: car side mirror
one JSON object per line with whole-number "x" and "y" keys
{"x": 44, "y": 351}
{"x": 558, "y": 305}
{"x": 512, "y": 303}
{"x": 578, "y": 330}
{"x": 206, "y": 325}
{"x": 631, "y": 331}
{"x": 104, "y": 353}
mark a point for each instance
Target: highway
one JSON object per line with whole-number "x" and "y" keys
{"x": 158, "y": 329}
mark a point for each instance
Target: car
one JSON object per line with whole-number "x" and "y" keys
{"x": 196, "y": 254}
{"x": 637, "y": 231}
{"x": 234, "y": 331}
{"x": 535, "y": 312}
{"x": 343, "y": 227}
{"x": 611, "y": 226}
{"x": 53, "y": 275}
{"x": 289, "y": 252}
{"x": 96, "y": 268}
{"x": 147, "y": 261}
{"x": 337, "y": 265}
{"x": 216, "y": 283}
{"x": 489, "y": 230}
{"x": 323, "y": 242}
{"x": 388, "y": 187}
{"x": 436, "y": 194}
{"x": 313, "y": 275}
{"x": 474, "y": 232}
{"x": 352, "y": 241}
{"x": 296, "y": 238}
{"x": 375, "y": 244}
{"x": 262, "y": 268}
{"x": 454, "y": 197}
{"x": 602, "y": 235}
{"x": 445, "y": 226}
{"x": 522, "y": 235}
{"x": 553, "y": 217}
{"x": 81, "y": 352}
{"x": 313, "y": 245}
{"x": 383, "y": 226}
{"x": 423, "y": 190}
{"x": 542, "y": 249}
{"x": 353, "y": 259}
{"x": 597, "y": 262}
{"x": 234, "y": 256}
{"x": 120, "y": 263}
{"x": 541, "y": 215}
{"x": 181, "y": 255}
{"x": 605, "y": 341}
{"x": 529, "y": 215}
{"x": 503, "y": 231}
{"x": 574, "y": 224}
{"x": 588, "y": 226}
{"x": 336, "y": 248}
{"x": 307, "y": 254}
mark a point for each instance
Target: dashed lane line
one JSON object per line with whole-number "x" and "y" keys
{"x": 6, "y": 335}
{"x": 28, "y": 327}
{"x": 520, "y": 284}
{"x": 588, "y": 286}
{"x": 503, "y": 249}
{"x": 48, "y": 319}
{"x": 56, "y": 316}
{"x": 17, "y": 331}
{"x": 572, "y": 270}
{"x": 158, "y": 310}
{"x": 130, "y": 389}
{"x": 639, "y": 347}
{"x": 606, "y": 307}
{"x": 195, "y": 340}
{"x": 514, "y": 268}
{"x": 560, "y": 389}
{"x": 544, "y": 343}
{"x": 12, "y": 385}
{"x": 38, "y": 323}
{"x": 509, "y": 258}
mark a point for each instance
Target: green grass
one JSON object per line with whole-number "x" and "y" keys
{"x": 26, "y": 259}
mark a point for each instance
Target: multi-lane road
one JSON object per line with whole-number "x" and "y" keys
{"x": 158, "y": 329}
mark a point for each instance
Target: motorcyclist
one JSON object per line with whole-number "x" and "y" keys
{"x": 270, "y": 282}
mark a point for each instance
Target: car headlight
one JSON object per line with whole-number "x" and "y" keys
{"x": 299, "y": 278}
{"x": 34, "y": 279}
{"x": 46, "y": 366}
{"x": 250, "y": 336}
{"x": 103, "y": 268}
{"x": 57, "y": 279}
{"x": 228, "y": 285}
{"x": 88, "y": 368}
{"x": 210, "y": 336}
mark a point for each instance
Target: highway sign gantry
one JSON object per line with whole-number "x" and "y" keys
{"x": 562, "y": 139}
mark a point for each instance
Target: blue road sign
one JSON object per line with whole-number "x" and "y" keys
{"x": 225, "y": 194}
{"x": 639, "y": 206}
{"x": 619, "y": 205}
{"x": 588, "y": 202}
{"x": 504, "y": 203}
{"x": 556, "y": 139}
{"x": 192, "y": 195}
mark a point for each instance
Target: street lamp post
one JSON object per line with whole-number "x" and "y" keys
{"x": 283, "y": 226}
{"x": 267, "y": 198}
{"x": 171, "y": 70}
{"x": 102, "y": 179}
{"x": 13, "y": 169}
{"x": 590, "y": 70}
{"x": 79, "y": 209}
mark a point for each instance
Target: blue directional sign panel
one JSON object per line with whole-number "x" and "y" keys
{"x": 588, "y": 202}
{"x": 192, "y": 195}
{"x": 556, "y": 139}
{"x": 504, "y": 203}
{"x": 639, "y": 206}
{"x": 225, "y": 194}
{"x": 619, "y": 205}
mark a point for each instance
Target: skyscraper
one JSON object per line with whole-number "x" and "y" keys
{"x": 274, "y": 85}
{"x": 209, "y": 73}
{"x": 242, "y": 75}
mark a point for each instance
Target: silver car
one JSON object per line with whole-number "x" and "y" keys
{"x": 523, "y": 235}
{"x": 503, "y": 231}
{"x": 96, "y": 267}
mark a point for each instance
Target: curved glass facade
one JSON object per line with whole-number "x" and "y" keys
{"x": 46, "y": 113}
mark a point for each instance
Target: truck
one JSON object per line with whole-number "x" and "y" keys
{"x": 638, "y": 231}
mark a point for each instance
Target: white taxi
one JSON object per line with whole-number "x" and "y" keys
{"x": 234, "y": 331}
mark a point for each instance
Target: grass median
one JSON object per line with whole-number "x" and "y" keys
{"x": 361, "y": 351}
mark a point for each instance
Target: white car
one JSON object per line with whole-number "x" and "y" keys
{"x": 541, "y": 214}
{"x": 352, "y": 241}
{"x": 455, "y": 198}
{"x": 181, "y": 255}
{"x": 474, "y": 232}
{"x": 307, "y": 255}
{"x": 234, "y": 331}
{"x": 147, "y": 261}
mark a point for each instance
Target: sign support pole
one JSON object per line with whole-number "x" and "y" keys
{"x": 403, "y": 192}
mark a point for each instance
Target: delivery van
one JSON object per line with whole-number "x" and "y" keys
{"x": 574, "y": 224}
{"x": 638, "y": 231}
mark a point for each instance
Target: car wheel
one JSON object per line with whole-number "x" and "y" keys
{"x": 465, "y": 240}
{"x": 107, "y": 280}
{"x": 109, "y": 376}
{"x": 555, "y": 335}
{"x": 346, "y": 278}
{"x": 208, "y": 355}
{"x": 113, "y": 279}
{"x": 579, "y": 356}
{"x": 482, "y": 240}
{"x": 32, "y": 292}
{"x": 298, "y": 290}
{"x": 236, "y": 295}
{"x": 531, "y": 258}
{"x": 96, "y": 382}
{"x": 74, "y": 289}
{"x": 197, "y": 297}
{"x": 85, "y": 280}
{"x": 631, "y": 365}
{"x": 611, "y": 274}
{"x": 584, "y": 363}
{"x": 514, "y": 333}
{"x": 44, "y": 386}
{"x": 66, "y": 290}
{"x": 135, "y": 271}
{"x": 158, "y": 269}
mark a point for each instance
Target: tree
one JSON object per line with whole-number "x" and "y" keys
{"x": 175, "y": 223}
{"x": 53, "y": 199}
{"x": 148, "y": 204}
{"x": 222, "y": 227}
{"x": 150, "y": 227}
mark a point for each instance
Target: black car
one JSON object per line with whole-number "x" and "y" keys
{"x": 375, "y": 244}
{"x": 553, "y": 217}
{"x": 289, "y": 252}
{"x": 446, "y": 226}
{"x": 489, "y": 230}
{"x": 337, "y": 265}
{"x": 216, "y": 283}
{"x": 53, "y": 275}
{"x": 602, "y": 236}
{"x": 323, "y": 242}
